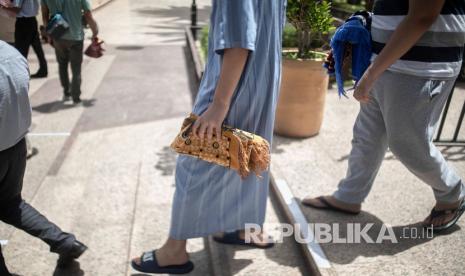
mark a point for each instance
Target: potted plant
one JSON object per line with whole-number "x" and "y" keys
{"x": 304, "y": 80}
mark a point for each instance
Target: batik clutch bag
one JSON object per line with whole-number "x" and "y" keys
{"x": 237, "y": 149}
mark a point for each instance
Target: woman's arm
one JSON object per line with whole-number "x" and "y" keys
{"x": 421, "y": 15}
{"x": 234, "y": 60}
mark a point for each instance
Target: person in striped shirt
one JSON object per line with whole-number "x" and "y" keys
{"x": 417, "y": 55}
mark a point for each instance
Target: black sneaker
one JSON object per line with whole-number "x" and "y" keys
{"x": 74, "y": 253}
{"x": 76, "y": 101}
{"x": 40, "y": 74}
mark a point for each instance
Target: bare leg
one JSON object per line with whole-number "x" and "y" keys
{"x": 351, "y": 207}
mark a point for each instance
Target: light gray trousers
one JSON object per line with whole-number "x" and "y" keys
{"x": 403, "y": 116}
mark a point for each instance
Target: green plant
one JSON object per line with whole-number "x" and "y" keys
{"x": 348, "y": 7}
{"x": 289, "y": 37}
{"x": 312, "y": 20}
{"x": 204, "y": 42}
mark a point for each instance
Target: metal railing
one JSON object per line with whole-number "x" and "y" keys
{"x": 455, "y": 138}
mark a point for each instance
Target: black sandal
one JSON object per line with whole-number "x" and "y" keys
{"x": 439, "y": 213}
{"x": 149, "y": 264}
{"x": 234, "y": 238}
{"x": 329, "y": 206}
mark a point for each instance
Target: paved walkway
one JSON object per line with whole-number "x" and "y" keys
{"x": 104, "y": 171}
{"x": 398, "y": 199}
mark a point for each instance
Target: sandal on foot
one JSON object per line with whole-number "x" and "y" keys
{"x": 329, "y": 206}
{"x": 235, "y": 238}
{"x": 149, "y": 264}
{"x": 458, "y": 212}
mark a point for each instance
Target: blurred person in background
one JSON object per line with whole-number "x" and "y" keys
{"x": 15, "y": 120}
{"x": 27, "y": 32}
{"x": 69, "y": 47}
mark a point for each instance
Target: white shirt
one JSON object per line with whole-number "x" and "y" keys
{"x": 15, "y": 110}
{"x": 29, "y": 8}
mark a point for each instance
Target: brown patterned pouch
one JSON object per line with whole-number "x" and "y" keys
{"x": 237, "y": 149}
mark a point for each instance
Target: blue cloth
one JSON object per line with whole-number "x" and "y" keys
{"x": 210, "y": 198}
{"x": 355, "y": 33}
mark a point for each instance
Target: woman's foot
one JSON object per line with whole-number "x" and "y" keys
{"x": 259, "y": 240}
{"x": 331, "y": 203}
{"x": 444, "y": 213}
{"x": 163, "y": 261}
{"x": 166, "y": 257}
{"x": 264, "y": 240}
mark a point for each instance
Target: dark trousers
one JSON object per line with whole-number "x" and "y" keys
{"x": 69, "y": 52}
{"x": 17, "y": 212}
{"x": 3, "y": 269}
{"x": 27, "y": 34}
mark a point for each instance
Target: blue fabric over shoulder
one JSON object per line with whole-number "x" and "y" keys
{"x": 354, "y": 31}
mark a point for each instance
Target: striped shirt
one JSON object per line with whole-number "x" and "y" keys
{"x": 438, "y": 53}
{"x": 29, "y": 8}
{"x": 15, "y": 111}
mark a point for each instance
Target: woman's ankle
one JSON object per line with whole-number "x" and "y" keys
{"x": 174, "y": 247}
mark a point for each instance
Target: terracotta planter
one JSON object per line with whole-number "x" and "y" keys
{"x": 302, "y": 98}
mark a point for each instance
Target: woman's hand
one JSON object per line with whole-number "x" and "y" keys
{"x": 362, "y": 92}
{"x": 211, "y": 121}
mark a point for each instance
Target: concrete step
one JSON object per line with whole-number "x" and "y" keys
{"x": 398, "y": 200}
{"x": 285, "y": 258}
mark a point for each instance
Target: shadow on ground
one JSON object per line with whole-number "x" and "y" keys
{"x": 406, "y": 236}
{"x": 274, "y": 254}
{"x": 56, "y": 106}
{"x": 286, "y": 253}
{"x": 279, "y": 141}
{"x": 174, "y": 17}
{"x": 194, "y": 83}
{"x": 166, "y": 161}
{"x": 73, "y": 270}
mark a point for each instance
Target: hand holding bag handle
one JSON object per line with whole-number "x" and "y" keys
{"x": 236, "y": 149}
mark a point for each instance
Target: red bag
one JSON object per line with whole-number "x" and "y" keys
{"x": 95, "y": 49}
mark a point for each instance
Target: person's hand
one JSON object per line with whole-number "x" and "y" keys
{"x": 362, "y": 91}
{"x": 210, "y": 121}
{"x": 50, "y": 40}
{"x": 330, "y": 62}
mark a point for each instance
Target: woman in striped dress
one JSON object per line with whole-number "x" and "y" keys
{"x": 239, "y": 88}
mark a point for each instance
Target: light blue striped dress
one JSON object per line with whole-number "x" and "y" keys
{"x": 211, "y": 198}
